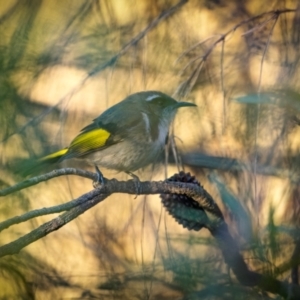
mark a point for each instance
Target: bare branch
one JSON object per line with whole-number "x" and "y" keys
{"x": 261, "y": 25}
{"x": 223, "y": 85}
{"x": 276, "y": 16}
{"x": 194, "y": 47}
{"x": 90, "y": 199}
{"x": 188, "y": 84}
{"x": 234, "y": 259}
{"x": 41, "y": 212}
{"x": 215, "y": 224}
{"x": 163, "y": 16}
{"x": 55, "y": 173}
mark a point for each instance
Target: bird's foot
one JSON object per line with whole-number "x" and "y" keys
{"x": 100, "y": 179}
{"x": 137, "y": 183}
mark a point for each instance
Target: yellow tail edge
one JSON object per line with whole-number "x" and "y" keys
{"x": 56, "y": 155}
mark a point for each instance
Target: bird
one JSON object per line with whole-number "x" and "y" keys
{"x": 126, "y": 137}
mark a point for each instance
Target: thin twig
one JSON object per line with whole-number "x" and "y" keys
{"x": 261, "y": 25}
{"x": 192, "y": 61}
{"x": 164, "y": 15}
{"x": 56, "y": 223}
{"x": 216, "y": 225}
{"x": 41, "y": 212}
{"x": 194, "y": 47}
{"x": 264, "y": 53}
{"x": 187, "y": 85}
{"x": 38, "y": 179}
{"x": 90, "y": 199}
{"x": 276, "y": 16}
{"x": 222, "y": 84}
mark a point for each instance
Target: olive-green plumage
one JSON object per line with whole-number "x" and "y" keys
{"x": 127, "y": 136}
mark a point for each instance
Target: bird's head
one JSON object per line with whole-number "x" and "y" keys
{"x": 159, "y": 104}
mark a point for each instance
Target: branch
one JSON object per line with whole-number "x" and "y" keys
{"x": 41, "y": 212}
{"x": 186, "y": 86}
{"x": 192, "y": 215}
{"x": 163, "y": 16}
{"x": 55, "y": 173}
{"x": 194, "y": 192}
{"x": 236, "y": 262}
{"x": 295, "y": 261}
{"x": 88, "y": 200}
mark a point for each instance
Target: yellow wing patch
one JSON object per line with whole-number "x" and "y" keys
{"x": 56, "y": 154}
{"x": 84, "y": 143}
{"x": 89, "y": 141}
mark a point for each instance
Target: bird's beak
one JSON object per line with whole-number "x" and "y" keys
{"x": 183, "y": 104}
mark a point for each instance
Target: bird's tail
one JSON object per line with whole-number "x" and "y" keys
{"x": 40, "y": 165}
{"x": 53, "y": 157}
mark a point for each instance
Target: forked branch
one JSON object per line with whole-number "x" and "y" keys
{"x": 193, "y": 196}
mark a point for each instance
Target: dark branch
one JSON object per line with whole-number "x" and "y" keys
{"x": 215, "y": 224}
{"x": 235, "y": 260}
{"x": 90, "y": 199}
{"x": 55, "y": 173}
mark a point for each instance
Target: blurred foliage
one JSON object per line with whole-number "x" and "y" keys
{"x": 55, "y": 56}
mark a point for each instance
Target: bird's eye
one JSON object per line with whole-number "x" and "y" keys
{"x": 159, "y": 101}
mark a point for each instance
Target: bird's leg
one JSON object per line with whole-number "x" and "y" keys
{"x": 136, "y": 182}
{"x": 100, "y": 178}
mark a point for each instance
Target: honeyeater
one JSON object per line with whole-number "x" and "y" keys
{"x": 127, "y": 136}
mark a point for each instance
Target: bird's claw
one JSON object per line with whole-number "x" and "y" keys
{"x": 137, "y": 183}
{"x": 100, "y": 179}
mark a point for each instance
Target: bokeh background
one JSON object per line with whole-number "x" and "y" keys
{"x": 62, "y": 63}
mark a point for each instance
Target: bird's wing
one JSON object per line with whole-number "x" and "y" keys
{"x": 87, "y": 142}
{"x": 103, "y": 132}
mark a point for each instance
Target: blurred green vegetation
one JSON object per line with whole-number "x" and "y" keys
{"x": 63, "y": 62}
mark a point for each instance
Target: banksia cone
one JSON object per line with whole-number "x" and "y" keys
{"x": 184, "y": 209}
